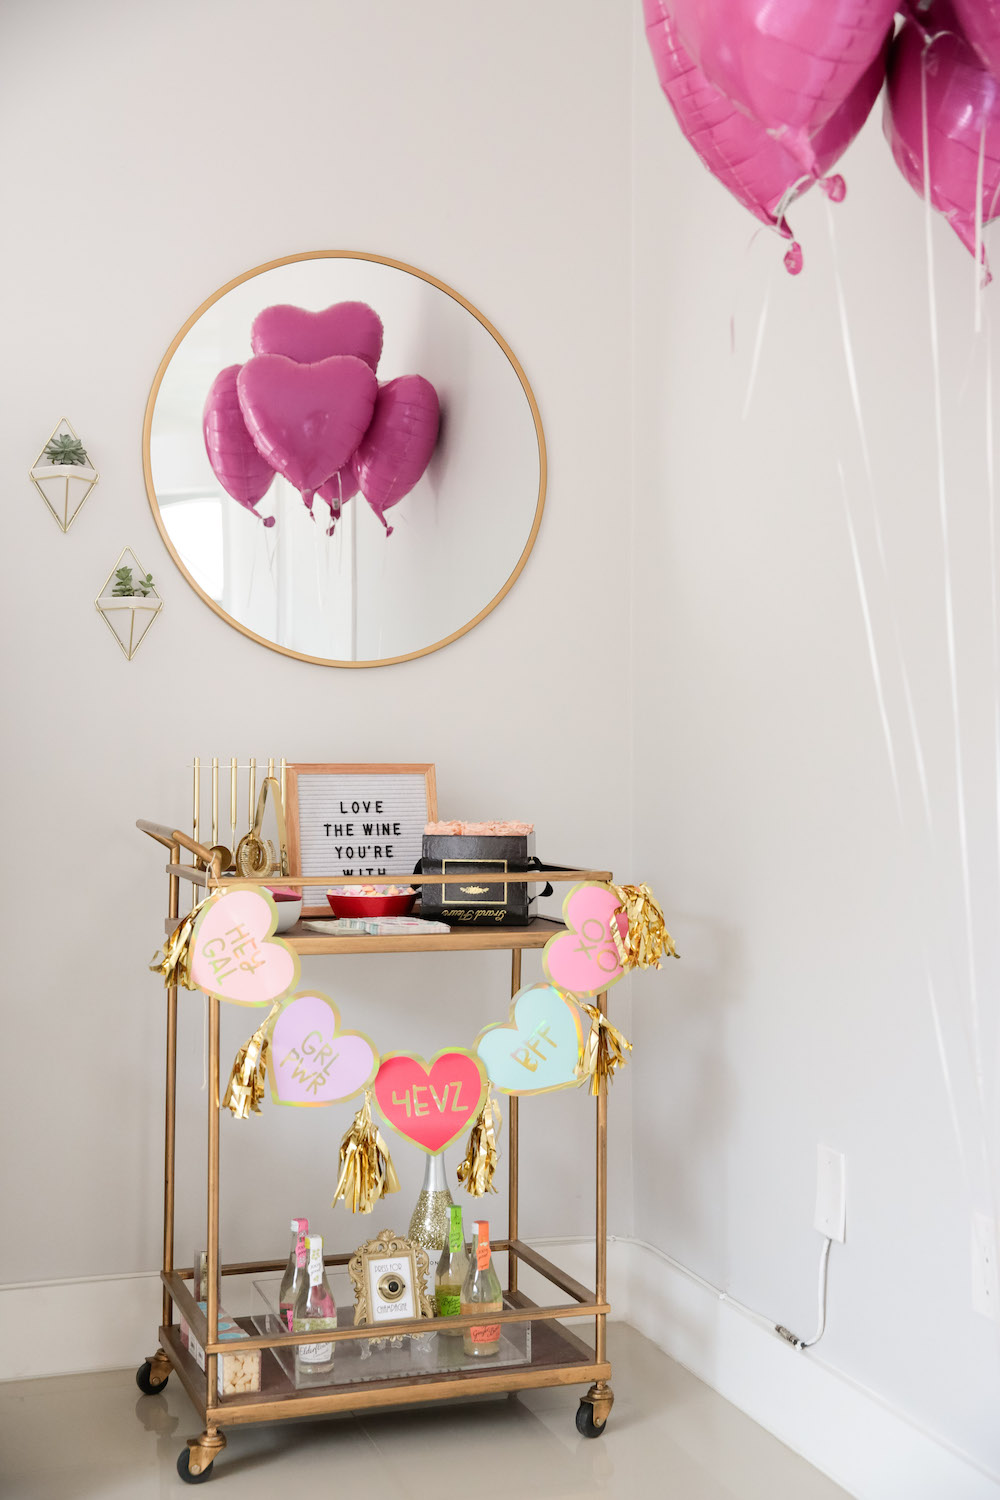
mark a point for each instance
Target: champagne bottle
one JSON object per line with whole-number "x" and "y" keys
{"x": 481, "y": 1294}
{"x": 295, "y": 1271}
{"x": 429, "y": 1224}
{"x": 315, "y": 1310}
{"x": 451, "y": 1272}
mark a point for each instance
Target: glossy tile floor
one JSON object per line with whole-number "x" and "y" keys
{"x": 94, "y": 1437}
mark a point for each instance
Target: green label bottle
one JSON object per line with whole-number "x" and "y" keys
{"x": 451, "y": 1271}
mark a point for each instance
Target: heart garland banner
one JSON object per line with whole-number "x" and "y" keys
{"x": 311, "y": 1061}
{"x": 585, "y": 959}
{"x": 234, "y": 954}
{"x": 540, "y": 1047}
{"x": 430, "y": 1103}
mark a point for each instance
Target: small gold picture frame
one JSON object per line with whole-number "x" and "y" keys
{"x": 389, "y": 1276}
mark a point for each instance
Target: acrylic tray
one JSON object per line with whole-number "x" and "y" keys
{"x": 380, "y": 1358}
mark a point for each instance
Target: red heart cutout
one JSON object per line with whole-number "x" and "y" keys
{"x": 307, "y": 337}
{"x": 306, "y": 420}
{"x": 430, "y": 1105}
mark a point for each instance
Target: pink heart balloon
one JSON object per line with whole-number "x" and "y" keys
{"x": 396, "y": 448}
{"x": 340, "y": 488}
{"x": 236, "y": 464}
{"x": 311, "y": 1061}
{"x": 308, "y": 337}
{"x": 930, "y": 61}
{"x": 980, "y": 20}
{"x": 306, "y": 420}
{"x": 758, "y": 170}
{"x": 788, "y": 63}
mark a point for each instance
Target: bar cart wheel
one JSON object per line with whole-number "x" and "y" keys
{"x": 203, "y": 1450}
{"x": 184, "y": 1470}
{"x": 594, "y": 1410}
{"x": 144, "y": 1376}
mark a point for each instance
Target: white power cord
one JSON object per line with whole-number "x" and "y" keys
{"x": 786, "y": 1333}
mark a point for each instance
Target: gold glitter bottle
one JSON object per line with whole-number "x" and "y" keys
{"x": 430, "y": 1221}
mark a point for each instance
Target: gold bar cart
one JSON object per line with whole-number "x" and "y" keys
{"x": 558, "y": 1355}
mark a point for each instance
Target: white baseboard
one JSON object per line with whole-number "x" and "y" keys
{"x": 872, "y": 1450}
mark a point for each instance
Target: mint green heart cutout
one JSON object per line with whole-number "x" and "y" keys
{"x": 539, "y": 1049}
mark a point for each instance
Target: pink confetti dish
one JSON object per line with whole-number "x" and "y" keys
{"x": 371, "y": 900}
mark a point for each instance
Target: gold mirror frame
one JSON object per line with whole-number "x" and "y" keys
{"x": 442, "y": 286}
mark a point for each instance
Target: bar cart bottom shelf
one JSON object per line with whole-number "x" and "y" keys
{"x": 558, "y": 1357}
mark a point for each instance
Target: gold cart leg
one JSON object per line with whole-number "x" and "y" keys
{"x": 170, "y": 1107}
{"x": 204, "y": 1450}
{"x": 212, "y": 1290}
{"x": 601, "y": 1228}
{"x": 515, "y": 985}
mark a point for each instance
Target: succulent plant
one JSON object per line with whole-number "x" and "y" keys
{"x": 125, "y": 587}
{"x": 64, "y": 448}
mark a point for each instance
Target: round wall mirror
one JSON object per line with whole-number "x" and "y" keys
{"x": 339, "y": 576}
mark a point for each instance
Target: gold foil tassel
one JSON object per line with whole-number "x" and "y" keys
{"x": 605, "y": 1051}
{"x": 476, "y": 1170}
{"x": 173, "y": 960}
{"x": 245, "y": 1088}
{"x": 366, "y": 1169}
{"x": 647, "y": 938}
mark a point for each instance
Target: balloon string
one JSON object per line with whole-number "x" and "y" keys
{"x": 741, "y": 282}
{"x": 977, "y": 262}
{"x": 253, "y": 564}
{"x": 878, "y": 677}
{"x": 875, "y": 511}
{"x": 873, "y": 655}
{"x": 949, "y": 612}
{"x": 757, "y": 346}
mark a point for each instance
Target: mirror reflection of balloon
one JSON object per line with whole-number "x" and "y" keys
{"x": 306, "y": 405}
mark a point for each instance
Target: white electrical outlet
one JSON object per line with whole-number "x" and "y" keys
{"x": 831, "y": 1193}
{"x": 985, "y": 1284}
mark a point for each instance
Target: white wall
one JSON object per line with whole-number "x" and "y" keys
{"x": 764, "y": 811}
{"x": 205, "y": 139}
{"x": 155, "y": 152}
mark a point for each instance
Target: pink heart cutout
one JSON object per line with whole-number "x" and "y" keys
{"x": 311, "y": 1060}
{"x": 584, "y": 960}
{"x": 430, "y": 1105}
{"x": 233, "y": 955}
{"x": 307, "y": 337}
{"x": 306, "y": 420}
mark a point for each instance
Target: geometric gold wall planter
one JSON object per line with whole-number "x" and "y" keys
{"x": 63, "y": 475}
{"x": 128, "y": 617}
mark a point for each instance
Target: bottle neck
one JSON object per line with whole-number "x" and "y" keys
{"x": 315, "y": 1265}
{"x": 435, "y": 1175}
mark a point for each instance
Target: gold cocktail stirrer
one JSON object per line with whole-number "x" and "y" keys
{"x": 195, "y": 815}
{"x": 233, "y": 789}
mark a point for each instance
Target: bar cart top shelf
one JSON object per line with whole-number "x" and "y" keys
{"x": 468, "y": 939}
